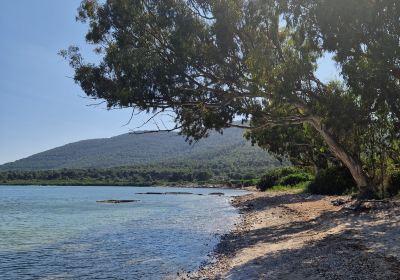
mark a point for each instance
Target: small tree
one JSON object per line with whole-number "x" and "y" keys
{"x": 211, "y": 61}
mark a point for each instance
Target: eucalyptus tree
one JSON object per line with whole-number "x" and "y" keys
{"x": 214, "y": 61}
{"x": 300, "y": 144}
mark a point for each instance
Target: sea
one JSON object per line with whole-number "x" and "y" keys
{"x": 54, "y": 232}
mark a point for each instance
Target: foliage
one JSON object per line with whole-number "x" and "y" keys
{"x": 227, "y": 154}
{"x": 167, "y": 172}
{"x": 299, "y": 188}
{"x": 294, "y": 179}
{"x": 160, "y": 158}
{"x": 209, "y": 62}
{"x": 299, "y": 143}
{"x": 332, "y": 181}
{"x": 392, "y": 186}
{"x": 282, "y": 176}
{"x": 243, "y": 183}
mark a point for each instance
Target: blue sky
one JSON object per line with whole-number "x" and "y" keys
{"x": 41, "y": 107}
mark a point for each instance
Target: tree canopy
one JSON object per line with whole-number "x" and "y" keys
{"x": 211, "y": 62}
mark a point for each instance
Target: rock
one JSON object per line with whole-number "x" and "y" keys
{"x": 363, "y": 205}
{"x": 151, "y": 193}
{"x": 338, "y": 202}
{"x": 176, "y": 193}
{"x": 171, "y": 193}
{"x": 116, "y": 201}
{"x": 216, "y": 193}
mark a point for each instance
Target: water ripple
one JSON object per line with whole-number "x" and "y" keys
{"x": 62, "y": 233}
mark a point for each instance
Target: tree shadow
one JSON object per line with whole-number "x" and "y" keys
{"x": 262, "y": 203}
{"x": 234, "y": 242}
{"x": 368, "y": 248}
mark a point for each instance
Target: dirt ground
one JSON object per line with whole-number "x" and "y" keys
{"x": 300, "y": 236}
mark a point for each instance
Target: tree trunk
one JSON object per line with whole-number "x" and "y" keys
{"x": 365, "y": 187}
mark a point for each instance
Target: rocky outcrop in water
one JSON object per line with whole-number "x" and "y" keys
{"x": 116, "y": 201}
{"x": 173, "y": 193}
{"x": 177, "y": 193}
{"x": 216, "y": 193}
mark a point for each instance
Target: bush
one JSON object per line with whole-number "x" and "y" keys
{"x": 272, "y": 177}
{"x": 332, "y": 181}
{"x": 294, "y": 179}
{"x": 392, "y": 186}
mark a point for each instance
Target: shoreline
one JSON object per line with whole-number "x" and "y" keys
{"x": 283, "y": 235}
{"x": 182, "y": 186}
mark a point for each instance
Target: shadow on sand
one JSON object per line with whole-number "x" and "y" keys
{"x": 361, "y": 250}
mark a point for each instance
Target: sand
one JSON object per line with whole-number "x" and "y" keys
{"x": 299, "y": 236}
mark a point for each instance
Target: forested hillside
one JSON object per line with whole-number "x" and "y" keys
{"x": 227, "y": 151}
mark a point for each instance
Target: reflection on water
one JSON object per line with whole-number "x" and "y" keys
{"x": 62, "y": 233}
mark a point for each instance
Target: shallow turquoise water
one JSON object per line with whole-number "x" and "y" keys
{"x": 62, "y": 233}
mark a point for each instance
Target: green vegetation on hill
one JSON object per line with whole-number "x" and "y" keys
{"x": 168, "y": 172}
{"x": 141, "y": 149}
{"x": 160, "y": 158}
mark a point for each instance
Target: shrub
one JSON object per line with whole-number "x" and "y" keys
{"x": 332, "y": 181}
{"x": 392, "y": 186}
{"x": 294, "y": 179}
{"x": 272, "y": 177}
{"x": 300, "y": 187}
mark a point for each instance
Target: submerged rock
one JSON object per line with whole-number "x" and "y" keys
{"x": 150, "y": 193}
{"x": 116, "y": 201}
{"x": 178, "y": 193}
{"x": 174, "y": 193}
{"x": 216, "y": 193}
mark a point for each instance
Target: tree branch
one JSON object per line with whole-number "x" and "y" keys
{"x": 155, "y": 131}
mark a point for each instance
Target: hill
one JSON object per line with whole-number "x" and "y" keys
{"x": 229, "y": 148}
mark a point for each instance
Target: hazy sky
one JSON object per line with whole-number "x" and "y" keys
{"x": 40, "y": 106}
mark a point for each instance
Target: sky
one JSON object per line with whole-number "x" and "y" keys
{"x": 41, "y": 107}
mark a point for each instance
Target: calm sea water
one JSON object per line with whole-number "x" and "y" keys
{"x": 62, "y": 233}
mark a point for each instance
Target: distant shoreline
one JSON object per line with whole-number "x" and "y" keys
{"x": 111, "y": 184}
